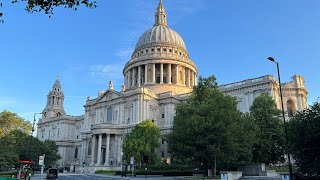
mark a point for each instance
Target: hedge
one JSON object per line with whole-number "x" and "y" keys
{"x": 153, "y": 172}
{"x": 8, "y": 173}
{"x": 301, "y": 177}
{"x": 111, "y": 172}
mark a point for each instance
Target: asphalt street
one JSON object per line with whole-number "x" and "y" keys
{"x": 71, "y": 176}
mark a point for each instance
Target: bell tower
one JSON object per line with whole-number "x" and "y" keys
{"x": 55, "y": 100}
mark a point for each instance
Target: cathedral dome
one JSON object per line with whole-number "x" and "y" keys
{"x": 160, "y": 34}
{"x": 160, "y": 60}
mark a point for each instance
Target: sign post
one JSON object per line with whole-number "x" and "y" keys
{"x": 132, "y": 165}
{"x": 41, "y": 163}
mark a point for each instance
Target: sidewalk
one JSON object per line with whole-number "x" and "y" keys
{"x": 140, "y": 177}
{"x": 38, "y": 177}
{"x": 150, "y": 177}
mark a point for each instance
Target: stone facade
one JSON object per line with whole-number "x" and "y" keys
{"x": 159, "y": 75}
{"x": 294, "y": 92}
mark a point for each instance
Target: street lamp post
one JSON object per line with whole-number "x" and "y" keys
{"x": 284, "y": 119}
{"x": 32, "y": 130}
{"x": 125, "y": 156}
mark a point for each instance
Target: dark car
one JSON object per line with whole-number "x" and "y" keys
{"x": 52, "y": 173}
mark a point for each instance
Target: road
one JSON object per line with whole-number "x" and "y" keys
{"x": 71, "y": 176}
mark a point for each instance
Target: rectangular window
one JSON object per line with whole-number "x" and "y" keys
{"x": 162, "y": 154}
{"x": 109, "y": 114}
{"x": 76, "y": 153}
{"x": 162, "y": 115}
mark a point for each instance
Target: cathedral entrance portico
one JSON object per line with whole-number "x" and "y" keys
{"x": 106, "y": 149}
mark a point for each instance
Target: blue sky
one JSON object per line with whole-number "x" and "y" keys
{"x": 230, "y": 39}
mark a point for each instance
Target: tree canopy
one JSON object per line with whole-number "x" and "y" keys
{"x": 47, "y": 6}
{"x": 269, "y": 147}
{"x": 304, "y": 136}
{"x": 10, "y": 121}
{"x": 142, "y": 140}
{"x": 209, "y": 127}
{"x": 19, "y": 145}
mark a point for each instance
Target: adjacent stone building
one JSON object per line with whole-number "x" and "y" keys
{"x": 159, "y": 75}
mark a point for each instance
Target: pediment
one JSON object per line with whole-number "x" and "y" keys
{"x": 109, "y": 95}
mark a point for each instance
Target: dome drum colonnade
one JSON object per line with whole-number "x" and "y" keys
{"x": 160, "y": 57}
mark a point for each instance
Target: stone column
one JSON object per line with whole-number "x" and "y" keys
{"x": 129, "y": 79}
{"x": 145, "y": 74}
{"x": 139, "y": 76}
{"x": 126, "y": 81}
{"x": 93, "y": 145}
{"x": 161, "y": 73}
{"x": 107, "y": 150}
{"x": 177, "y": 74}
{"x": 188, "y": 80}
{"x": 195, "y": 79}
{"x": 169, "y": 74}
{"x": 192, "y": 79}
{"x": 153, "y": 73}
{"x": 99, "y": 150}
{"x": 133, "y": 77}
{"x": 119, "y": 149}
{"x": 184, "y": 76}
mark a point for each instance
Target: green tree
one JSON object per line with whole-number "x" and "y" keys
{"x": 10, "y": 121}
{"x": 270, "y": 147}
{"x": 18, "y": 145}
{"x": 8, "y": 155}
{"x": 47, "y": 6}
{"x": 142, "y": 140}
{"x": 304, "y": 136}
{"x": 209, "y": 128}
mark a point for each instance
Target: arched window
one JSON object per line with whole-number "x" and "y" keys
{"x": 290, "y": 108}
{"x": 76, "y": 153}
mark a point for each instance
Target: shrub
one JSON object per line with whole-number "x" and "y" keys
{"x": 302, "y": 177}
{"x": 177, "y": 173}
{"x": 149, "y": 172}
{"x": 8, "y": 173}
{"x": 111, "y": 172}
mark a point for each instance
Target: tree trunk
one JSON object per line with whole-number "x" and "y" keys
{"x": 214, "y": 173}
{"x": 205, "y": 163}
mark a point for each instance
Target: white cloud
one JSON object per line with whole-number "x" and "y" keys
{"x": 7, "y": 101}
{"x": 124, "y": 54}
{"x": 108, "y": 71}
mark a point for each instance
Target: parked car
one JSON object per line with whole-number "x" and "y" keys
{"x": 52, "y": 173}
